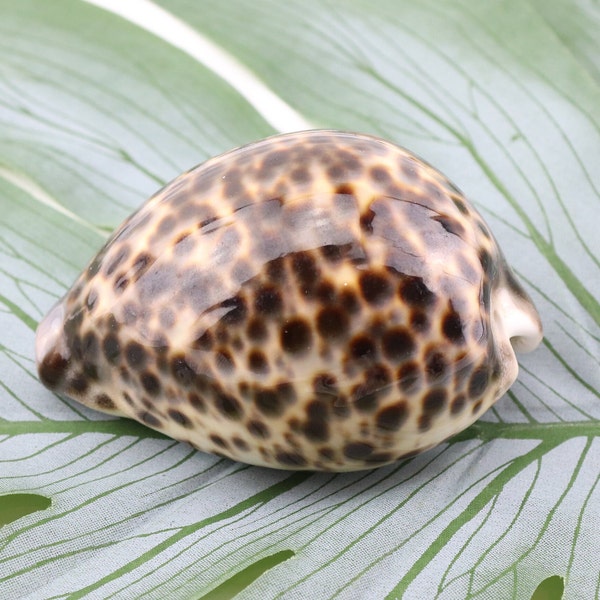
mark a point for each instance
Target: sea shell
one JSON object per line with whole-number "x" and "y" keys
{"x": 315, "y": 300}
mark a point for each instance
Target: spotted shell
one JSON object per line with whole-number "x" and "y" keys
{"x": 316, "y": 300}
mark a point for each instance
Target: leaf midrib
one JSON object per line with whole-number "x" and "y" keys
{"x": 482, "y": 430}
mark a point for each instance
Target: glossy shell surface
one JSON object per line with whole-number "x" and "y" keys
{"x": 316, "y": 300}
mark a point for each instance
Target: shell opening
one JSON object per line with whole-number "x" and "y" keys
{"x": 520, "y": 320}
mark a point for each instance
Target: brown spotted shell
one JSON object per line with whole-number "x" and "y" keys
{"x": 315, "y": 300}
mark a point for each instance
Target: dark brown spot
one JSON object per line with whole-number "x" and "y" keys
{"x": 392, "y": 417}
{"x": 341, "y": 407}
{"x": 326, "y": 453}
{"x": 104, "y": 402}
{"x": 435, "y": 367}
{"x": 181, "y": 370}
{"x": 380, "y": 175}
{"x": 240, "y": 444}
{"x": 409, "y": 376}
{"x": 90, "y": 370}
{"x": 166, "y": 225}
{"x": 486, "y": 291}
{"x": 52, "y": 369}
{"x": 332, "y": 322}
{"x": 317, "y": 410}
{"x": 462, "y": 207}
{"x": 128, "y": 399}
{"x": 268, "y": 301}
{"x": 434, "y": 401}
{"x": 257, "y": 362}
{"x": 111, "y": 348}
{"x": 366, "y": 221}
{"x": 349, "y": 301}
{"x": 290, "y": 459}
{"x": 364, "y": 399}
{"x": 269, "y": 402}
{"x": 335, "y": 172}
{"x": 362, "y": 347}
{"x": 366, "y": 395}
{"x": 478, "y": 382}
{"x": 296, "y": 336}
{"x": 325, "y": 383}
{"x": 258, "y": 429}
{"x": 197, "y": 402}
{"x": 244, "y": 389}
{"x": 333, "y": 253}
{"x": 224, "y": 361}
{"x": 91, "y": 300}
{"x": 415, "y": 293}
{"x": 452, "y": 328}
{"x": 487, "y": 263}
{"x": 398, "y": 344}
{"x": 375, "y": 288}
{"x": 228, "y": 406}
{"x": 300, "y": 175}
{"x": 316, "y": 431}
{"x": 121, "y": 283}
{"x": 325, "y": 292}
{"x": 276, "y": 270}
{"x": 270, "y": 163}
{"x": 477, "y": 406}
{"x": 380, "y": 457}
{"x": 141, "y": 264}
{"x": 358, "y": 450}
{"x": 149, "y": 419}
{"x": 286, "y": 392}
{"x": 257, "y": 330}
{"x": 79, "y": 384}
{"x": 419, "y": 320}
{"x": 179, "y": 418}
{"x": 222, "y": 335}
{"x": 218, "y": 440}
{"x": 305, "y": 268}
{"x": 136, "y": 355}
{"x": 345, "y": 189}
{"x": 203, "y": 383}
{"x": 150, "y": 383}
{"x": 458, "y": 404}
{"x": 424, "y": 422}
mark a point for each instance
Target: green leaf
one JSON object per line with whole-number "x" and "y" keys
{"x": 96, "y": 113}
{"x": 15, "y": 506}
{"x": 551, "y": 588}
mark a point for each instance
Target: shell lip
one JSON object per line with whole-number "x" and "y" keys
{"x": 520, "y": 320}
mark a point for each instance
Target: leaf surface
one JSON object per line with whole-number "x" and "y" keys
{"x": 96, "y": 114}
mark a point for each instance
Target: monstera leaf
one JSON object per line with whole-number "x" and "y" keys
{"x": 98, "y": 109}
